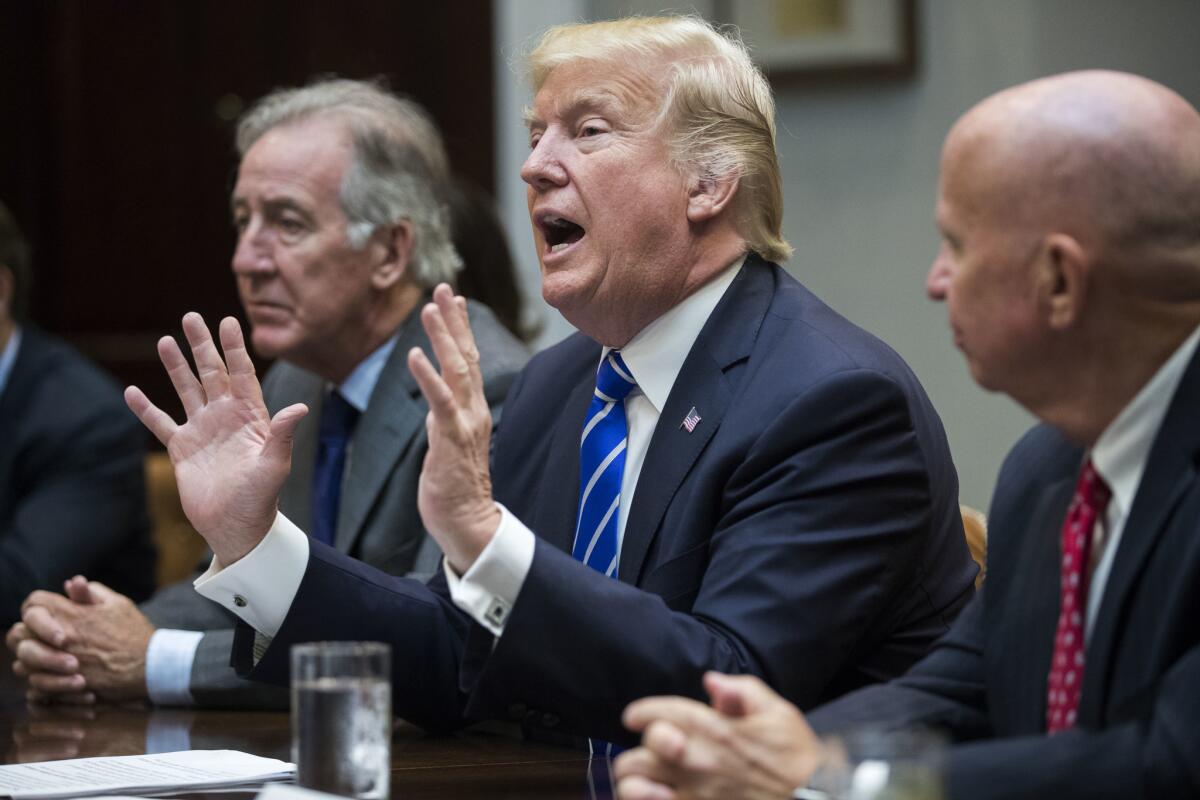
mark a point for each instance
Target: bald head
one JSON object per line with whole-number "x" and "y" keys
{"x": 1109, "y": 158}
{"x": 1070, "y": 217}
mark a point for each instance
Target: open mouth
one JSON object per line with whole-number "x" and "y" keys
{"x": 559, "y": 232}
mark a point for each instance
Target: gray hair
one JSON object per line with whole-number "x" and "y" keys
{"x": 397, "y": 171}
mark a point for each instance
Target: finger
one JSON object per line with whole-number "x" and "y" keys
{"x": 454, "y": 314}
{"x": 455, "y": 369}
{"x": 739, "y": 695}
{"x": 78, "y": 590}
{"x": 683, "y": 712}
{"x": 213, "y": 375}
{"x": 154, "y": 418}
{"x": 635, "y": 787}
{"x": 666, "y": 741}
{"x": 439, "y": 396}
{"x": 36, "y": 657}
{"x": 50, "y": 683}
{"x": 16, "y": 634}
{"x": 96, "y": 592}
{"x": 242, "y": 380}
{"x": 187, "y": 387}
{"x": 282, "y": 431}
{"x": 42, "y": 625}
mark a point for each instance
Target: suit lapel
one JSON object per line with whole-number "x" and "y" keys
{"x": 557, "y": 512}
{"x": 1033, "y": 605}
{"x": 727, "y": 338}
{"x": 392, "y": 419}
{"x": 1170, "y": 470}
{"x": 298, "y": 386}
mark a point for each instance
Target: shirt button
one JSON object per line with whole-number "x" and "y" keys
{"x": 239, "y": 601}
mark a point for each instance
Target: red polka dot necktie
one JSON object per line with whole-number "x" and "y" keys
{"x": 1066, "y": 670}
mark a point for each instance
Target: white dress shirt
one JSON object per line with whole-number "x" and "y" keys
{"x": 259, "y": 588}
{"x": 171, "y": 653}
{"x": 1120, "y": 454}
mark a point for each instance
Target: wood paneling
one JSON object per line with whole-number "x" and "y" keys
{"x": 117, "y": 160}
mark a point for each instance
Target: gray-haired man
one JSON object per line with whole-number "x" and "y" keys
{"x": 341, "y": 234}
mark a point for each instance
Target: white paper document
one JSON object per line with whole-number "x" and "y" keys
{"x": 161, "y": 772}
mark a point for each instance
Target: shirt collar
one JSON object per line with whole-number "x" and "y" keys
{"x": 359, "y": 385}
{"x": 656, "y": 354}
{"x": 1120, "y": 453}
{"x": 9, "y": 356}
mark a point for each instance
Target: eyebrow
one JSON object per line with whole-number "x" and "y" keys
{"x": 576, "y": 103}
{"x": 272, "y": 205}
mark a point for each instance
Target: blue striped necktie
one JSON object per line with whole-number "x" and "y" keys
{"x": 601, "y": 464}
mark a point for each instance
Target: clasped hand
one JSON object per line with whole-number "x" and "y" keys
{"x": 87, "y": 644}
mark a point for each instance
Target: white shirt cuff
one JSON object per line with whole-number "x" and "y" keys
{"x": 169, "y": 659}
{"x": 488, "y": 591}
{"x": 260, "y": 586}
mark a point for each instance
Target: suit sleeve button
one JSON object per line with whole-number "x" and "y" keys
{"x": 516, "y": 711}
{"x": 550, "y": 720}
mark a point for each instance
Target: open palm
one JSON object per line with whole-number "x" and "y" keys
{"x": 230, "y": 457}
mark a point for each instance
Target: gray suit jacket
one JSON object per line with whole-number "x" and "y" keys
{"x": 377, "y": 522}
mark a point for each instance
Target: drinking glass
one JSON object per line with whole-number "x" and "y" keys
{"x": 342, "y": 717}
{"x": 871, "y": 764}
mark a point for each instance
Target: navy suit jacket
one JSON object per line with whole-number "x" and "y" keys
{"x": 807, "y": 531}
{"x": 1138, "y": 731}
{"x": 72, "y": 480}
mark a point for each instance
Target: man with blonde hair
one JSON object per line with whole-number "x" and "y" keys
{"x": 1069, "y": 209}
{"x": 717, "y": 471}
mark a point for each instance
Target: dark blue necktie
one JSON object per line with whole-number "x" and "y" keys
{"x": 337, "y": 423}
{"x": 601, "y": 464}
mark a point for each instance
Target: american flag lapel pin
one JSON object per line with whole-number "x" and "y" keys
{"x": 691, "y": 420}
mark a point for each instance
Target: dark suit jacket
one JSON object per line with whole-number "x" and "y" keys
{"x": 1138, "y": 732}
{"x": 72, "y": 478}
{"x": 377, "y": 520}
{"x": 807, "y": 531}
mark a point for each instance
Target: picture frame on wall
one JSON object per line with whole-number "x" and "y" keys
{"x": 801, "y": 41}
{"x": 795, "y": 40}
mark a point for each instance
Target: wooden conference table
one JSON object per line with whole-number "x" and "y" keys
{"x": 466, "y": 765}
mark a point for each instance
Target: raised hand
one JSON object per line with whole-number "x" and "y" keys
{"x": 455, "y": 491}
{"x": 230, "y": 457}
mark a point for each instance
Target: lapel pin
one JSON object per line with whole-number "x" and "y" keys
{"x": 691, "y": 420}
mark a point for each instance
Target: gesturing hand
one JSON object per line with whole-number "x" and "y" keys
{"x": 455, "y": 491}
{"x": 230, "y": 457}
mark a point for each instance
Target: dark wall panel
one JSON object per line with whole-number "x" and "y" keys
{"x": 116, "y": 122}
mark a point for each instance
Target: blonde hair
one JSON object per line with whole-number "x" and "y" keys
{"x": 716, "y": 104}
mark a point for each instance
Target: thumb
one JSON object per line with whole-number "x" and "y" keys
{"x": 283, "y": 428}
{"x": 738, "y": 695}
{"x": 77, "y": 589}
{"x": 101, "y": 593}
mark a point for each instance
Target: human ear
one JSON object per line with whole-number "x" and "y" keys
{"x": 394, "y": 251}
{"x": 1064, "y": 271}
{"x": 708, "y": 196}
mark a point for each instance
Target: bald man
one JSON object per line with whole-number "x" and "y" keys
{"x": 1069, "y": 210}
